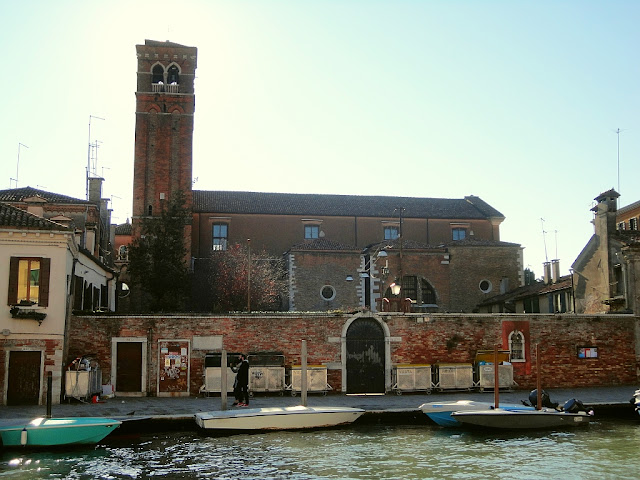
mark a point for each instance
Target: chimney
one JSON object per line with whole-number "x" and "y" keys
{"x": 95, "y": 189}
{"x": 555, "y": 271}
{"x": 35, "y": 205}
{"x": 547, "y": 272}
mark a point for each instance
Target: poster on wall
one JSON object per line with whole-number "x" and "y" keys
{"x": 587, "y": 352}
{"x": 173, "y": 367}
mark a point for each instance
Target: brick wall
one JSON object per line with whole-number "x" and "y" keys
{"x": 314, "y": 270}
{"x": 472, "y": 264}
{"x": 445, "y": 338}
{"x": 52, "y": 354}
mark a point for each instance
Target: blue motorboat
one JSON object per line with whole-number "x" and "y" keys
{"x": 440, "y": 412}
{"x": 49, "y": 432}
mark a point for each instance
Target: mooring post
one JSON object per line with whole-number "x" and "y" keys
{"x": 223, "y": 380}
{"x": 49, "y": 387}
{"x": 303, "y": 373}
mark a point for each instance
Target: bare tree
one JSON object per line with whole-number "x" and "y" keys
{"x": 236, "y": 288}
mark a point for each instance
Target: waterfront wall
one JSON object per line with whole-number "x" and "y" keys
{"x": 408, "y": 338}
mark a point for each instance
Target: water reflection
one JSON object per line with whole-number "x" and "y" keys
{"x": 603, "y": 450}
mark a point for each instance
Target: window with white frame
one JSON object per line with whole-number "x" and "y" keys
{"x": 391, "y": 233}
{"x": 633, "y": 223}
{"x": 29, "y": 281}
{"x": 621, "y": 226}
{"x": 220, "y": 236}
{"x": 311, "y": 232}
{"x": 458, "y": 233}
{"x": 516, "y": 346}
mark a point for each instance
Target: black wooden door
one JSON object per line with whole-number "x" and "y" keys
{"x": 365, "y": 357}
{"x": 24, "y": 378}
{"x": 129, "y": 367}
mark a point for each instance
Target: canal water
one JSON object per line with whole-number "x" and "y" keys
{"x": 607, "y": 449}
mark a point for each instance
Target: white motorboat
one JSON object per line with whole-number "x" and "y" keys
{"x": 502, "y": 418}
{"x": 440, "y": 412}
{"x": 635, "y": 400}
{"x": 277, "y": 418}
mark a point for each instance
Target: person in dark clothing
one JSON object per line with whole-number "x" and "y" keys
{"x": 242, "y": 379}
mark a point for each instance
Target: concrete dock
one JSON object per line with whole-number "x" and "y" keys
{"x": 170, "y": 413}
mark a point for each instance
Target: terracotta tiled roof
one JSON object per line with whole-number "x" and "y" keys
{"x": 19, "y": 194}
{"x": 628, "y": 237}
{"x": 470, "y": 207}
{"x": 124, "y": 229}
{"x": 628, "y": 208}
{"x": 476, "y": 242}
{"x": 16, "y": 217}
{"x": 535, "y": 289}
{"x": 157, "y": 43}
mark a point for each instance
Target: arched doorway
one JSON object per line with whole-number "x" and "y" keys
{"x": 365, "y": 357}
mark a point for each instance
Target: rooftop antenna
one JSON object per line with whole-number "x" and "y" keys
{"x": 544, "y": 239}
{"x": 17, "y": 165}
{"x": 89, "y": 152}
{"x": 618, "y": 135}
{"x": 556, "y": 238}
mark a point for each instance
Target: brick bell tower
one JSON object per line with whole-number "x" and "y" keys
{"x": 165, "y": 106}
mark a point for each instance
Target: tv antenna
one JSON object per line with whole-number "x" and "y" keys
{"x": 544, "y": 240}
{"x": 17, "y": 165}
{"x": 618, "y": 131}
{"x": 89, "y": 152}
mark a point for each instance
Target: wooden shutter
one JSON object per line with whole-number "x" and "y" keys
{"x": 12, "y": 297}
{"x": 45, "y": 269}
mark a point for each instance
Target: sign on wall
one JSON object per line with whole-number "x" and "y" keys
{"x": 173, "y": 367}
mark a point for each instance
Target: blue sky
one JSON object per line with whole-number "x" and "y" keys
{"x": 515, "y": 102}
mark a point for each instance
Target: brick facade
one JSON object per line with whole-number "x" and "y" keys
{"x": 164, "y": 129}
{"x": 412, "y": 338}
{"x": 454, "y": 272}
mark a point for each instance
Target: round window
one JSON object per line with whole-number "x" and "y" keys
{"x": 328, "y": 292}
{"x": 485, "y": 286}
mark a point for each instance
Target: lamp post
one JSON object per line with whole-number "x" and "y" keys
{"x": 400, "y": 210}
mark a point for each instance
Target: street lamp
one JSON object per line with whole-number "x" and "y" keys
{"x": 395, "y": 288}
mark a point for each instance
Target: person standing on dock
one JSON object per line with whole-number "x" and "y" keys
{"x": 242, "y": 379}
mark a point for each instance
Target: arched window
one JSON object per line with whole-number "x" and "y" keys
{"x": 428, "y": 293}
{"x": 173, "y": 75}
{"x": 157, "y": 74}
{"x": 516, "y": 346}
{"x": 418, "y": 289}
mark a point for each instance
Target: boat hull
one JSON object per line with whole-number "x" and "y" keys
{"x": 277, "y": 418}
{"x": 440, "y": 412}
{"x": 46, "y": 432}
{"x": 522, "y": 419}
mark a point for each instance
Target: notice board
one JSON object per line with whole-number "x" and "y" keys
{"x": 173, "y": 367}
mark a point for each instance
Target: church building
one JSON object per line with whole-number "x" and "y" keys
{"x": 343, "y": 252}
